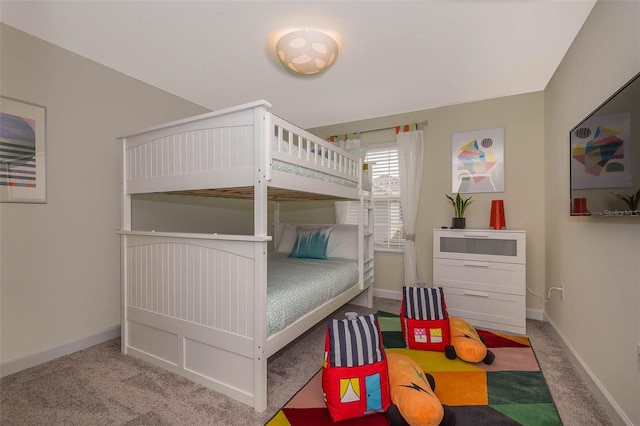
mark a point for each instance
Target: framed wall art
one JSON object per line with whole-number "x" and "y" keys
{"x": 22, "y": 152}
{"x": 477, "y": 161}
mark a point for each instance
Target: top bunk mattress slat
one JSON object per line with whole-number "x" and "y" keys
{"x": 246, "y": 192}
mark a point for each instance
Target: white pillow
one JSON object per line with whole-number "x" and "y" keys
{"x": 287, "y": 239}
{"x": 343, "y": 242}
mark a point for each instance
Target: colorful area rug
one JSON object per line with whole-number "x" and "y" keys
{"x": 511, "y": 391}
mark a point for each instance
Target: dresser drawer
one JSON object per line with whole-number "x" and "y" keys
{"x": 481, "y": 245}
{"x": 497, "y": 311}
{"x": 495, "y": 277}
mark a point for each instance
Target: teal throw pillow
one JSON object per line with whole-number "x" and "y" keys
{"x": 311, "y": 243}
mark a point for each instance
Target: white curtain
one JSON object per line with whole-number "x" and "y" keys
{"x": 342, "y": 207}
{"x": 342, "y": 211}
{"x": 410, "y": 156}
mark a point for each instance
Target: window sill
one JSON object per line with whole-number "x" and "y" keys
{"x": 382, "y": 250}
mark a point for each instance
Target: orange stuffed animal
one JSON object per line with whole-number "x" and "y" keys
{"x": 466, "y": 344}
{"x": 413, "y": 401}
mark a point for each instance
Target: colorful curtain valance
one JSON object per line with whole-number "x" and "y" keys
{"x": 412, "y": 127}
{"x": 351, "y": 140}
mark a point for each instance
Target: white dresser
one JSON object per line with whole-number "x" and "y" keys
{"x": 483, "y": 273}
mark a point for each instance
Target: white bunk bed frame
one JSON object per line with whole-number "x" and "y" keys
{"x": 196, "y": 304}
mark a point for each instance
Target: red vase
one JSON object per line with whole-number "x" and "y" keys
{"x": 580, "y": 207}
{"x": 497, "y": 215}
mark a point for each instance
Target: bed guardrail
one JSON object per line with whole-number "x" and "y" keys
{"x": 297, "y": 146}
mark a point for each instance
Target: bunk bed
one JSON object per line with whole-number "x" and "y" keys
{"x": 199, "y": 304}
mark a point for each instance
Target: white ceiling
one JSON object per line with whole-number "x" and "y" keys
{"x": 395, "y": 57}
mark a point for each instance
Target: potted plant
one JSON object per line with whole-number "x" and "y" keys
{"x": 459, "y": 205}
{"x": 633, "y": 200}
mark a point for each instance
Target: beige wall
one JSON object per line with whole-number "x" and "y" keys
{"x": 597, "y": 259}
{"x": 59, "y": 267}
{"x": 60, "y": 261}
{"x": 178, "y": 213}
{"x": 523, "y": 120}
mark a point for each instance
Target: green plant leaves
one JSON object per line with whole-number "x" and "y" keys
{"x": 632, "y": 200}
{"x": 459, "y": 204}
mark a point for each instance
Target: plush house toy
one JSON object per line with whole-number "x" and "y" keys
{"x": 466, "y": 344}
{"x": 424, "y": 319}
{"x": 355, "y": 378}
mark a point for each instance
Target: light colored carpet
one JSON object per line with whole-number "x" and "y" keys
{"x": 100, "y": 386}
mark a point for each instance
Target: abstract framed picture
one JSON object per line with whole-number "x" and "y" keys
{"x": 477, "y": 161}
{"x": 601, "y": 152}
{"x": 22, "y": 152}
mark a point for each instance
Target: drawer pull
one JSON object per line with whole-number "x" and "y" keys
{"x": 476, "y": 293}
{"x": 476, "y": 264}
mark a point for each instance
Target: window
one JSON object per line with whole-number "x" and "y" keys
{"x": 388, "y": 227}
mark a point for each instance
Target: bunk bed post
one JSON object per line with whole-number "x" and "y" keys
{"x": 365, "y": 243}
{"x": 364, "y": 257}
{"x": 262, "y": 129}
{"x": 125, "y": 225}
{"x": 276, "y": 223}
{"x": 361, "y": 230}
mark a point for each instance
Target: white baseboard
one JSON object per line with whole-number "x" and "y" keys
{"x": 535, "y": 314}
{"x": 18, "y": 364}
{"x": 610, "y": 405}
{"x": 387, "y": 294}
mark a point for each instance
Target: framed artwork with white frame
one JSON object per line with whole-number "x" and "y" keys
{"x": 22, "y": 152}
{"x": 477, "y": 161}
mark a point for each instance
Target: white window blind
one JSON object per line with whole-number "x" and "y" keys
{"x": 384, "y": 166}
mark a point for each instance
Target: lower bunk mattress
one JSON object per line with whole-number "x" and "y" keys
{"x": 296, "y": 287}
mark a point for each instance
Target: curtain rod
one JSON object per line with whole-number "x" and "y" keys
{"x": 423, "y": 123}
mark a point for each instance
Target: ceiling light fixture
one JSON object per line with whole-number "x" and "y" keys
{"x": 307, "y": 51}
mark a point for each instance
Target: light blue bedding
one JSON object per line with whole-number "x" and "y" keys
{"x": 297, "y": 286}
{"x": 296, "y": 170}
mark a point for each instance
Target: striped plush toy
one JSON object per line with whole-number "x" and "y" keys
{"x": 424, "y": 318}
{"x": 355, "y": 378}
